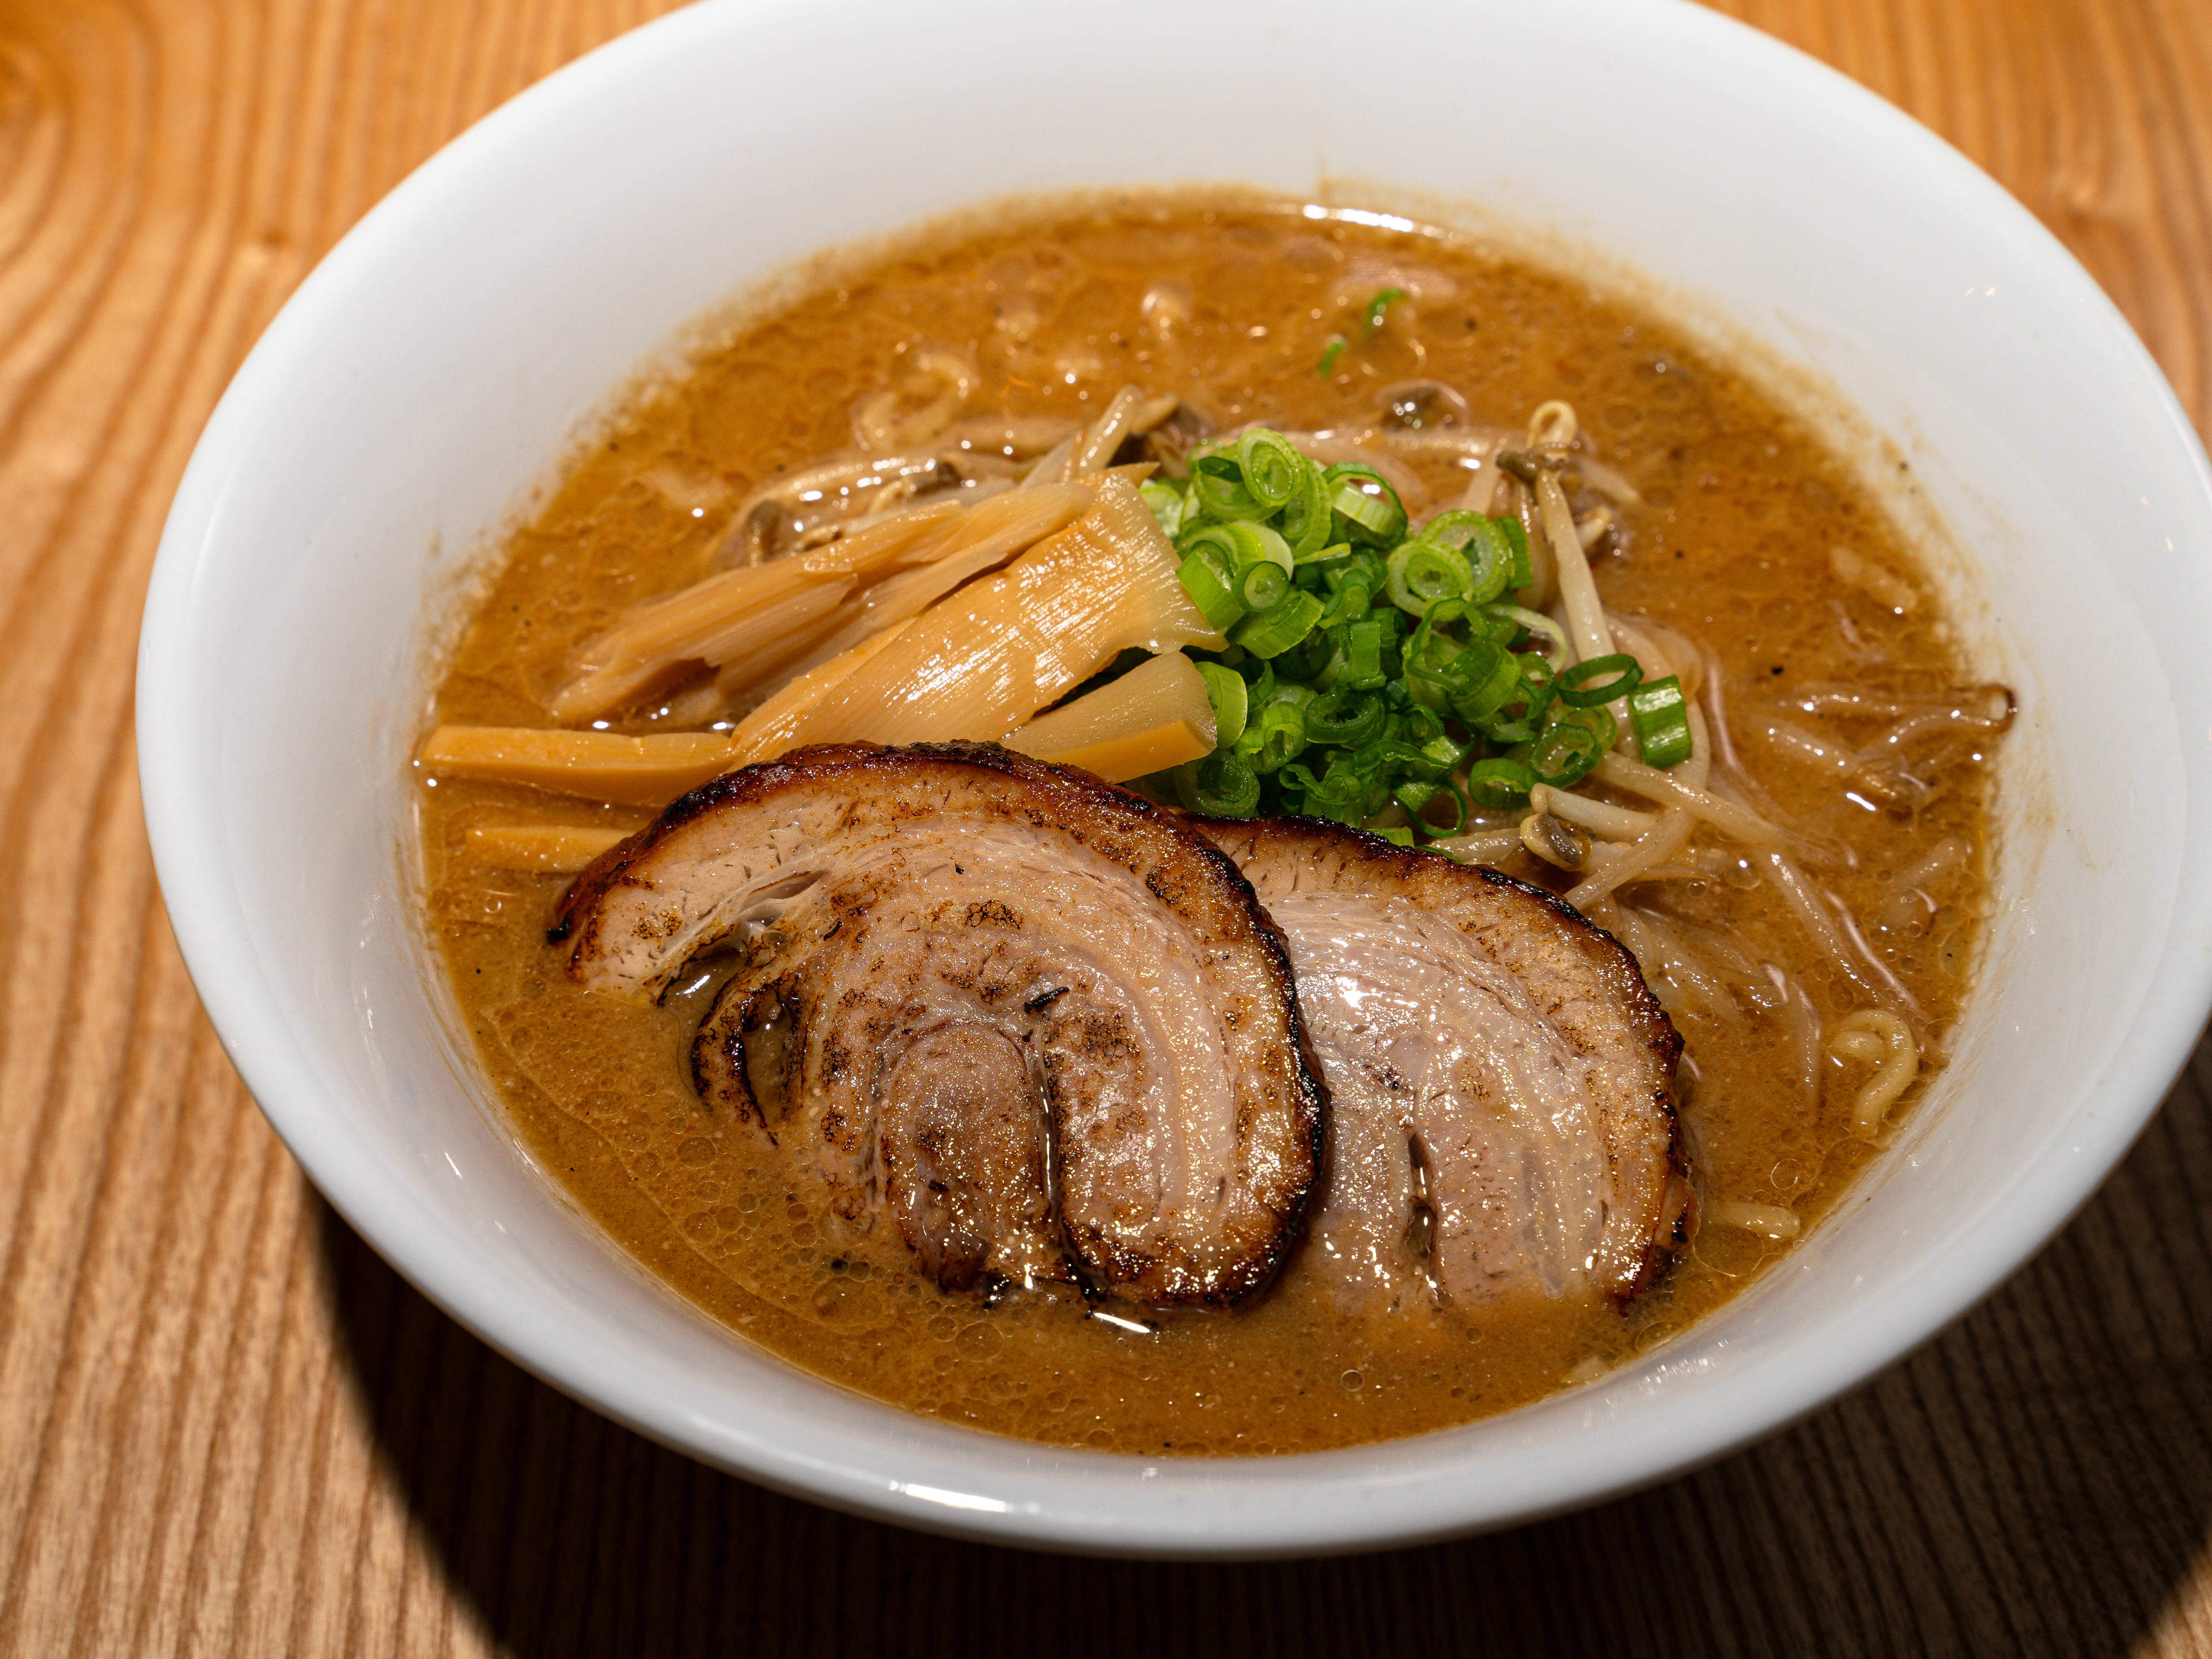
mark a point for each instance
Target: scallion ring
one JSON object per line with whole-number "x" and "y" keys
{"x": 1517, "y": 538}
{"x": 1217, "y": 487}
{"x": 1282, "y": 729}
{"x": 1363, "y": 642}
{"x": 1422, "y": 573}
{"x": 1261, "y": 586}
{"x": 1535, "y": 622}
{"x": 1166, "y": 502}
{"x": 1307, "y": 523}
{"x": 1344, "y": 718}
{"x": 1224, "y": 786}
{"x": 1272, "y": 632}
{"x": 1563, "y": 752}
{"x": 1363, "y": 499}
{"x": 1490, "y": 561}
{"x": 1417, "y": 798}
{"x": 1483, "y": 679}
{"x": 1660, "y": 716}
{"x": 1500, "y": 785}
{"x": 1597, "y": 681}
{"x": 1239, "y": 546}
{"x": 1210, "y": 591}
{"x": 1226, "y": 690}
{"x": 1274, "y": 469}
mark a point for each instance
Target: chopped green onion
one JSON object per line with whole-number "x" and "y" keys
{"x": 1224, "y": 786}
{"x": 1599, "y": 721}
{"x": 1453, "y": 528}
{"x": 1272, "y": 632}
{"x": 1216, "y": 486}
{"x": 1278, "y": 736}
{"x": 1261, "y": 586}
{"x": 1380, "y": 305}
{"x": 1329, "y": 354}
{"x": 1350, "y": 603}
{"x": 1209, "y": 590}
{"x": 1500, "y": 785}
{"x": 1422, "y": 573}
{"x": 1239, "y": 546}
{"x": 1364, "y": 567}
{"x": 1226, "y": 691}
{"x": 1396, "y": 835}
{"x": 1308, "y": 524}
{"x": 1517, "y": 538}
{"x": 1371, "y": 667}
{"x": 1564, "y": 751}
{"x": 1274, "y": 469}
{"x": 1344, "y": 717}
{"x": 1596, "y": 681}
{"x": 1341, "y": 795}
{"x": 1363, "y": 498}
{"x": 1534, "y": 693}
{"x": 1541, "y": 625}
{"x": 1661, "y": 719}
{"x": 1563, "y": 755}
{"x": 1308, "y": 659}
{"x": 1444, "y": 755}
{"x": 1482, "y": 680}
{"x": 1166, "y": 503}
{"x": 1363, "y": 650}
{"x": 1490, "y": 561}
{"x": 1417, "y": 797}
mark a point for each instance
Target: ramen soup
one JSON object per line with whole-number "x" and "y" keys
{"x": 1259, "y": 512}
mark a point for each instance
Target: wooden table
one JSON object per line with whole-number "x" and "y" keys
{"x": 226, "y": 1426}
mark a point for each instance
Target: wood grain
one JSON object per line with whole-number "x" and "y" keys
{"x": 225, "y": 1426}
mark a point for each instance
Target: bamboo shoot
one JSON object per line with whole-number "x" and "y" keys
{"x": 766, "y": 732}
{"x": 1155, "y": 716}
{"x": 984, "y": 660}
{"x": 867, "y": 554}
{"x": 648, "y": 771}
{"x": 556, "y": 848}
{"x": 985, "y": 535}
{"x": 770, "y": 612}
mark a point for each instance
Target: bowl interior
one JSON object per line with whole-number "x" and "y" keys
{"x": 434, "y": 369}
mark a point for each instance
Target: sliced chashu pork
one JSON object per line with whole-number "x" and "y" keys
{"x": 1027, "y": 1019}
{"x": 1501, "y": 1081}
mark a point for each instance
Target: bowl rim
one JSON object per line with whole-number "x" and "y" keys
{"x": 2164, "y": 1026}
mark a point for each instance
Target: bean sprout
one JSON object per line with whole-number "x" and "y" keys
{"x": 1603, "y": 817}
{"x": 1820, "y": 926}
{"x": 1587, "y": 625}
{"x": 1654, "y": 846}
{"x": 1773, "y": 1221}
{"x": 1638, "y": 779}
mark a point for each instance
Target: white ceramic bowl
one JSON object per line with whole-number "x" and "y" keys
{"x": 431, "y": 371}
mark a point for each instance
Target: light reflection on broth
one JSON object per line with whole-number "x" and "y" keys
{"x": 1739, "y": 543}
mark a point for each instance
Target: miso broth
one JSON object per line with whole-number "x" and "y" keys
{"x": 1746, "y": 535}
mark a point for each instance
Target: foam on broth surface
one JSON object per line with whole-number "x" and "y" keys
{"x": 1732, "y": 545}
